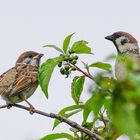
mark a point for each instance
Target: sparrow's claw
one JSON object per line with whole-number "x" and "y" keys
{"x": 32, "y": 110}
{"x": 5, "y": 106}
{"x": 9, "y": 106}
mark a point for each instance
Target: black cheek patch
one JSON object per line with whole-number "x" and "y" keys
{"x": 123, "y": 41}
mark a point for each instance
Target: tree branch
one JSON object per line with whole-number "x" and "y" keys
{"x": 60, "y": 118}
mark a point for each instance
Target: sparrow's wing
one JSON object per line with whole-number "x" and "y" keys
{"x": 7, "y": 79}
{"x": 23, "y": 81}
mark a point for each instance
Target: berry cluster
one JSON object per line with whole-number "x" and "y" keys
{"x": 71, "y": 60}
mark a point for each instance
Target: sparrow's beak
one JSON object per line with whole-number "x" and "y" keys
{"x": 38, "y": 56}
{"x": 110, "y": 37}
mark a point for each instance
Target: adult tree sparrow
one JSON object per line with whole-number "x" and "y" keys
{"x": 19, "y": 83}
{"x": 126, "y": 45}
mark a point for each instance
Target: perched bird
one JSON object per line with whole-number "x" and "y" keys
{"x": 19, "y": 83}
{"x": 126, "y": 45}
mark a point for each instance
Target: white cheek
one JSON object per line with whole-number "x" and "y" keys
{"x": 118, "y": 40}
{"x": 123, "y": 48}
{"x": 34, "y": 62}
{"x": 126, "y": 46}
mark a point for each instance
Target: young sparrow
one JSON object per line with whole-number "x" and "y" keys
{"x": 19, "y": 83}
{"x": 126, "y": 45}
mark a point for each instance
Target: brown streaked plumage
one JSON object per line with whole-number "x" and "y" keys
{"x": 19, "y": 83}
{"x": 126, "y": 45}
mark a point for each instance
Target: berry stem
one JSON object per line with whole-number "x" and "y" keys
{"x": 87, "y": 74}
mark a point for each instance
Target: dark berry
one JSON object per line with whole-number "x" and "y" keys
{"x": 62, "y": 55}
{"x": 71, "y": 51}
{"x": 71, "y": 58}
{"x": 75, "y": 57}
{"x": 62, "y": 71}
{"x": 60, "y": 64}
{"x": 67, "y": 67}
{"x": 66, "y": 58}
{"x": 67, "y": 72}
{"x": 74, "y": 61}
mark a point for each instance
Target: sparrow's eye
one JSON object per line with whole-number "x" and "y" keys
{"x": 30, "y": 56}
{"x": 123, "y": 41}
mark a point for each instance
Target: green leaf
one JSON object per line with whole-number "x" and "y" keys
{"x": 67, "y": 42}
{"x": 64, "y": 113}
{"x": 46, "y": 71}
{"x": 88, "y": 125}
{"x": 55, "y": 47}
{"x": 80, "y": 47}
{"x": 77, "y": 88}
{"x": 107, "y": 103}
{"x": 74, "y": 130}
{"x": 111, "y": 57}
{"x": 101, "y": 65}
{"x": 124, "y": 117}
{"x": 94, "y": 104}
{"x": 58, "y": 136}
{"x": 86, "y": 113}
{"x": 86, "y": 66}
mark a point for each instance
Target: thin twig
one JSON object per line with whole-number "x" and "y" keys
{"x": 88, "y": 71}
{"x": 102, "y": 118}
{"x": 60, "y": 118}
{"x": 85, "y": 73}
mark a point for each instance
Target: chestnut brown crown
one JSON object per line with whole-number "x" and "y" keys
{"x": 119, "y": 34}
